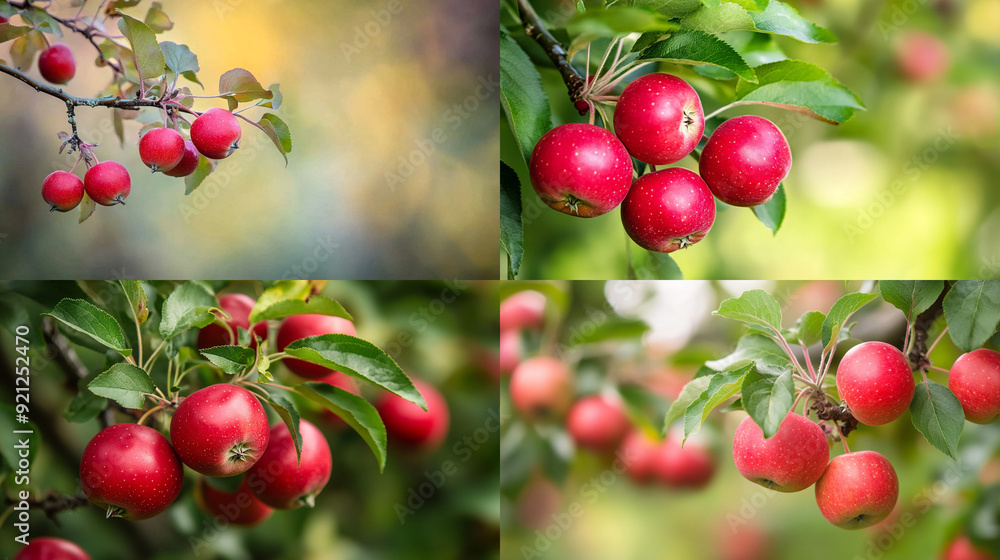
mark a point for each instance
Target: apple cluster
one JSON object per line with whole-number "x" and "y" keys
{"x": 585, "y": 170}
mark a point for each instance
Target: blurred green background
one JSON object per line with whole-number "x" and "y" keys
{"x": 361, "y": 91}
{"x": 442, "y": 333}
{"x": 564, "y": 503}
{"x": 906, "y": 188}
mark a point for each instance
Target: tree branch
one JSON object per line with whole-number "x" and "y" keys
{"x": 88, "y": 32}
{"x": 53, "y": 503}
{"x": 553, "y": 48}
{"x": 918, "y": 354}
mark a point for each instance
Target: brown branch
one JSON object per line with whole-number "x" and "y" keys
{"x": 52, "y": 503}
{"x": 918, "y": 353}
{"x": 534, "y": 28}
{"x": 826, "y": 409}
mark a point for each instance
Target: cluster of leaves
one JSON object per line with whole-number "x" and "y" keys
{"x": 764, "y": 374}
{"x": 730, "y": 42}
{"x": 128, "y": 380}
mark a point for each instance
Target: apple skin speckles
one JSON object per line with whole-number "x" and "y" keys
{"x": 745, "y": 160}
{"x": 659, "y": 118}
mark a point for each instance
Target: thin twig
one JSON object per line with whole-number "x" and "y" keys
{"x": 553, "y": 48}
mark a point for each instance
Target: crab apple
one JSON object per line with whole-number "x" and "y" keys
{"x": 975, "y": 380}
{"x": 108, "y": 183}
{"x": 131, "y": 471}
{"x": 238, "y": 306}
{"x": 298, "y": 327}
{"x": 875, "y": 381}
{"x": 963, "y": 549}
{"x": 684, "y": 464}
{"x": 581, "y": 170}
{"x": 659, "y": 118}
{"x": 188, "y": 163}
{"x": 411, "y": 425}
{"x": 216, "y": 133}
{"x": 57, "y": 64}
{"x": 668, "y": 210}
{"x": 921, "y": 57}
{"x": 745, "y": 160}
{"x": 541, "y": 388}
{"x": 3, "y": 20}
{"x": 523, "y": 310}
{"x": 51, "y": 548}
{"x": 282, "y": 481}
{"x": 857, "y": 490}
{"x": 220, "y": 430}
{"x": 239, "y": 507}
{"x": 161, "y": 149}
{"x": 597, "y": 423}
{"x": 791, "y": 460}
{"x": 62, "y": 190}
{"x": 639, "y": 454}
{"x": 510, "y": 350}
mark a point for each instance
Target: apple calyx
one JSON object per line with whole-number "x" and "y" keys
{"x": 115, "y": 511}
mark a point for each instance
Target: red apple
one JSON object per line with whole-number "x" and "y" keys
{"x": 541, "y": 388}
{"x": 857, "y": 490}
{"x": 238, "y": 306}
{"x": 640, "y": 454}
{"x": 689, "y": 466}
{"x": 411, "y": 425}
{"x": 597, "y": 423}
{"x": 975, "y": 380}
{"x": 668, "y": 210}
{"x": 745, "y": 160}
{"x": 298, "y": 327}
{"x": 51, "y": 548}
{"x": 523, "y": 310}
{"x": 962, "y": 549}
{"x": 510, "y": 350}
{"x": 283, "y": 481}
{"x": 875, "y": 381}
{"x": 921, "y": 57}
{"x": 659, "y": 118}
{"x": 239, "y": 507}
{"x": 581, "y": 170}
{"x": 791, "y": 460}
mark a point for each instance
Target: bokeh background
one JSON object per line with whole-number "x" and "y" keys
{"x": 906, "y": 188}
{"x": 443, "y": 333}
{"x": 361, "y": 92}
{"x": 561, "y": 502}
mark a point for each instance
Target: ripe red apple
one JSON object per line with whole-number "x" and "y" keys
{"x": 875, "y": 381}
{"x": 975, "y": 380}
{"x": 239, "y": 507}
{"x": 597, "y": 423}
{"x": 220, "y": 430}
{"x": 238, "y": 306}
{"x": 216, "y": 133}
{"x": 281, "y": 481}
{"x": 581, "y": 170}
{"x": 791, "y": 460}
{"x": 659, "y": 118}
{"x": 108, "y": 183}
{"x": 857, "y": 490}
{"x": 744, "y": 541}
{"x": 51, "y": 548}
{"x": 161, "y": 149}
{"x": 921, "y": 57}
{"x": 510, "y": 350}
{"x": 690, "y": 466}
{"x": 962, "y": 549}
{"x": 745, "y": 160}
{"x": 298, "y": 327}
{"x": 411, "y": 425}
{"x": 523, "y": 310}
{"x": 57, "y": 64}
{"x": 668, "y": 210}
{"x": 62, "y": 190}
{"x": 541, "y": 388}
{"x": 188, "y": 163}
{"x": 131, "y": 471}
{"x": 639, "y": 454}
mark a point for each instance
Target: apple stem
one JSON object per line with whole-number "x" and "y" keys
{"x": 843, "y": 440}
{"x": 936, "y": 340}
{"x": 939, "y": 369}
{"x": 802, "y": 392}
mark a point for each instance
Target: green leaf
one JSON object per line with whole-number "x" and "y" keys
{"x": 721, "y": 387}
{"x": 263, "y": 363}
{"x": 754, "y": 307}
{"x": 691, "y": 46}
{"x": 719, "y": 18}
{"x": 772, "y": 212}
{"x": 157, "y": 19}
{"x": 511, "y": 225}
{"x": 755, "y": 48}
{"x": 42, "y": 21}
{"x": 669, "y": 8}
{"x": 658, "y": 266}
{"x": 137, "y": 300}
{"x": 614, "y": 21}
{"x": 808, "y": 329}
{"x": 23, "y": 49}
{"x": 286, "y": 410}
{"x": 9, "y": 32}
{"x": 972, "y": 309}
{"x": 912, "y": 297}
{"x": 84, "y": 407}
{"x": 612, "y": 329}
{"x": 180, "y": 60}
{"x": 147, "y": 56}
{"x": 279, "y": 309}
{"x": 524, "y": 101}
{"x": 782, "y": 19}
{"x": 758, "y": 349}
{"x": 691, "y": 391}
{"x": 777, "y": 18}
{"x": 239, "y": 85}
{"x": 356, "y": 411}
{"x": 205, "y": 168}
{"x": 190, "y": 305}
{"x": 800, "y": 87}
{"x": 937, "y": 413}
{"x": 86, "y": 318}
{"x": 278, "y": 132}
{"x": 357, "y": 357}
{"x": 125, "y": 384}
{"x": 840, "y": 313}
{"x": 768, "y": 398}
{"x": 275, "y": 101}
{"x": 230, "y": 359}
